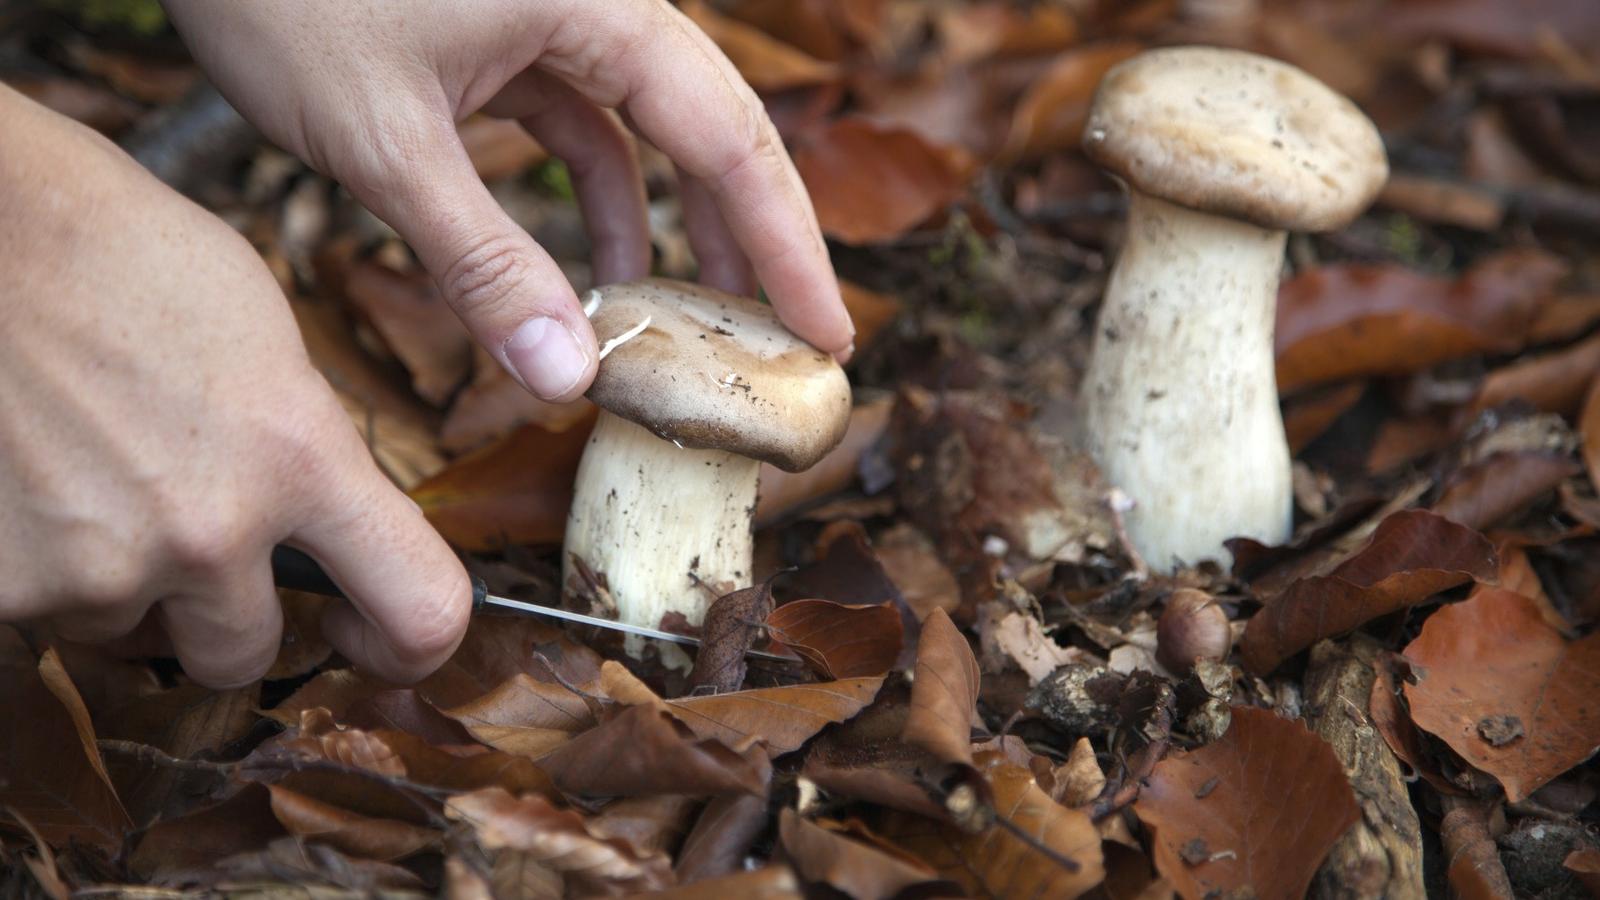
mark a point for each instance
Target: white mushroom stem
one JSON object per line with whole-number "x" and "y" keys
{"x": 649, "y": 514}
{"x": 1180, "y": 401}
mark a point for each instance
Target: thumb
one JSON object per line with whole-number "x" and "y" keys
{"x": 512, "y": 296}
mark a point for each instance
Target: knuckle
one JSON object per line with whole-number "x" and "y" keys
{"x": 486, "y": 277}
{"x": 751, "y": 144}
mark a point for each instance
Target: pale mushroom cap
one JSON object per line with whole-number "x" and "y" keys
{"x": 719, "y": 372}
{"x": 1236, "y": 134}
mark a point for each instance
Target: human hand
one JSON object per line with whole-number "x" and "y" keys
{"x": 161, "y": 429}
{"x": 370, "y": 94}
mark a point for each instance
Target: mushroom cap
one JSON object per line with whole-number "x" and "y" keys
{"x": 1236, "y": 134}
{"x": 716, "y": 371}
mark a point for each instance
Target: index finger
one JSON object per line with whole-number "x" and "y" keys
{"x": 681, "y": 93}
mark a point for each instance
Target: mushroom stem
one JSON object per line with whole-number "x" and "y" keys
{"x": 648, "y": 514}
{"x": 1180, "y": 400}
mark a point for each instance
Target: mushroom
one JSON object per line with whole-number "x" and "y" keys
{"x": 698, "y": 389}
{"x": 1221, "y": 152}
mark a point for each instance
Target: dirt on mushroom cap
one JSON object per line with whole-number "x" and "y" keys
{"x": 717, "y": 371}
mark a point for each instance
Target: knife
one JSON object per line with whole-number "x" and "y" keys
{"x": 297, "y": 571}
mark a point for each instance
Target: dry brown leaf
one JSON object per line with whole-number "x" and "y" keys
{"x": 1255, "y": 811}
{"x": 781, "y": 718}
{"x": 514, "y": 491}
{"x": 525, "y": 716}
{"x": 185, "y": 722}
{"x": 494, "y": 405}
{"x": 560, "y": 839}
{"x": 1550, "y": 382}
{"x": 838, "y": 640}
{"x": 912, "y": 563}
{"x": 1585, "y": 863}
{"x": 732, "y": 624}
{"x": 1341, "y": 321}
{"x": 871, "y": 184}
{"x": 1589, "y": 430}
{"x": 643, "y": 750}
{"x": 977, "y": 31}
{"x": 995, "y": 862}
{"x": 1411, "y": 556}
{"x": 51, "y": 771}
{"x": 1049, "y": 117}
{"x": 767, "y": 63}
{"x": 171, "y": 850}
{"x": 1022, "y": 640}
{"x": 771, "y": 882}
{"x": 944, "y": 692}
{"x": 499, "y": 148}
{"x": 1521, "y": 30}
{"x": 349, "y": 832}
{"x": 822, "y": 854}
{"x": 1505, "y": 690}
{"x": 721, "y": 837}
{"x": 1488, "y": 492}
{"x": 408, "y": 312}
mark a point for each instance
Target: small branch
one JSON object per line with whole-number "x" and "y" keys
{"x": 155, "y": 757}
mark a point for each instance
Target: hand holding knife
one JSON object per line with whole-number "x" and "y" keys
{"x": 297, "y": 571}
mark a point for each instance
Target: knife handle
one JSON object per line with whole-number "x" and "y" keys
{"x": 297, "y": 571}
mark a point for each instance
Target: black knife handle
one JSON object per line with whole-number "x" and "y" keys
{"x": 297, "y": 571}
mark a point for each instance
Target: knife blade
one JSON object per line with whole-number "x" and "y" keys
{"x": 297, "y": 571}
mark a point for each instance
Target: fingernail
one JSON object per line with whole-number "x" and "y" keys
{"x": 547, "y": 356}
{"x": 845, "y": 355}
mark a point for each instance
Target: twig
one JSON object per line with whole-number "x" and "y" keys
{"x": 154, "y": 756}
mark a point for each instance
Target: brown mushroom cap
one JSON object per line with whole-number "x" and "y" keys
{"x": 716, "y": 371}
{"x": 1236, "y": 134}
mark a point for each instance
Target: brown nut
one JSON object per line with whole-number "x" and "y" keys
{"x": 1193, "y": 627}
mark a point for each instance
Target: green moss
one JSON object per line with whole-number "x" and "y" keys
{"x": 140, "y": 17}
{"x": 555, "y": 178}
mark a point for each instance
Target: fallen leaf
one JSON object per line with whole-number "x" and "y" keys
{"x": 767, "y": 63}
{"x": 1490, "y": 27}
{"x": 732, "y": 624}
{"x": 781, "y": 718}
{"x": 495, "y": 649}
{"x": 174, "y": 851}
{"x": 1393, "y": 721}
{"x": 561, "y": 840}
{"x": 1049, "y": 117}
{"x": 1487, "y": 493}
{"x": 1589, "y": 429}
{"x": 1585, "y": 863}
{"x": 822, "y": 854}
{"x": 912, "y": 563}
{"x": 302, "y": 648}
{"x": 839, "y": 640}
{"x": 1550, "y": 382}
{"x": 648, "y": 824}
{"x": 643, "y": 750}
{"x": 1253, "y": 812}
{"x": 996, "y": 862}
{"x": 1021, "y": 638}
{"x": 51, "y": 771}
{"x": 411, "y": 316}
{"x": 525, "y": 716}
{"x": 973, "y": 32}
{"x": 1342, "y": 321}
{"x": 722, "y": 837}
{"x": 1492, "y": 658}
{"x": 871, "y": 184}
{"x": 405, "y": 710}
{"x": 771, "y": 882}
{"x": 494, "y": 405}
{"x": 1412, "y": 556}
{"x": 349, "y": 832}
{"x": 185, "y": 722}
{"x": 493, "y": 498}
{"x": 944, "y": 692}
{"x": 499, "y": 148}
